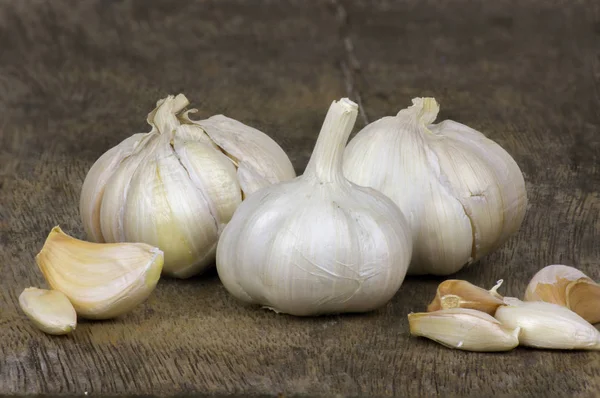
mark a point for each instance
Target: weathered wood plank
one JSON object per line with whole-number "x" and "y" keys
{"x": 77, "y": 77}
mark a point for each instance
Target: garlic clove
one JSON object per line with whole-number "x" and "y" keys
{"x": 253, "y": 152}
{"x": 184, "y": 227}
{"x": 487, "y": 180}
{"x": 454, "y": 293}
{"x": 464, "y": 329}
{"x": 566, "y": 286}
{"x": 548, "y": 325}
{"x": 212, "y": 174}
{"x": 550, "y": 283}
{"x": 95, "y": 183}
{"x": 116, "y": 192}
{"x": 49, "y": 310}
{"x": 101, "y": 280}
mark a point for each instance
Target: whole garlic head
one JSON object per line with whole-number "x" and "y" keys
{"x": 178, "y": 185}
{"x": 462, "y": 193}
{"x": 318, "y": 244}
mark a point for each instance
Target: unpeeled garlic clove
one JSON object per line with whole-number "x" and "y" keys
{"x": 548, "y": 325}
{"x": 566, "y": 286}
{"x": 101, "y": 280}
{"x": 49, "y": 310}
{"x": 455, "y": 293}
{"x": 464, "y": 329}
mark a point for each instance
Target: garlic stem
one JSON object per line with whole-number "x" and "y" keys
{"x": 425, "y": 109}
{"x": 165, "y": 117}
{"x": 325, "y": 164}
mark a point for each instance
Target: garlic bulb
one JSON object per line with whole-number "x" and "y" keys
{"x": 101, "y": 280}
{"x": 318, "y": 244}
{"x": 547, "y": 325}
{"x": 178, "y": 185}
{"x": 49, "y": 310}
{"x": 462, "y": 194}
{"x": 569, "y": 287}
{"x": 464, "y": 329}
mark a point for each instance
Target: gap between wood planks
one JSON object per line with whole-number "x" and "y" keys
{"x": 350, "y": 65}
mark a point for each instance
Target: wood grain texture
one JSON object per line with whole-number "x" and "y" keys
{"x": 78, "y": 77}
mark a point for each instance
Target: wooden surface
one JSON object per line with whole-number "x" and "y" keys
{"x": 77, "y": 77}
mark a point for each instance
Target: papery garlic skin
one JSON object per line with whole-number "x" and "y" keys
{"x": 566, "y": 286}
{"x": 318, "y": 244}
{"x": 462, "y": 193}
{"x": 49, "y": 310}
{"x": 455, "y": 293}
{"x": 178, "y": 185}
{"x": 547, "y": 325}
{"x": 464, "y": 329}
{"x": 101, "y": 280}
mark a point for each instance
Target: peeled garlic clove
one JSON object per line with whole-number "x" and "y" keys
{"x": 50, "y": 310}
{"x": 464, "y": 329}
{"x": 547, "y": 325}
{"x": 454, "y": 293}
{"x": 566, "y": 286}
{"x": 101, "y": 280}
{"x": 462, "y": 193}
{"x": 177, "y": 186}
{"x": 317, "y": 244}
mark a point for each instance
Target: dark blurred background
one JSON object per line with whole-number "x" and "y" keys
{"x": 77, "y": 77}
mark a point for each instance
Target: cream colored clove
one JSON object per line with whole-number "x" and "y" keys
{"x": 464, "y": 329}
{"x": 455, "y": 293}
{"x": 548, "y": 325}
{"x": 49, "y": 310}
{"x": 569, "y": 287}
{"x": 101, "y": 280}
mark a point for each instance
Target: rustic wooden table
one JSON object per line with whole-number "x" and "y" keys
{"x": 78, "y": 77}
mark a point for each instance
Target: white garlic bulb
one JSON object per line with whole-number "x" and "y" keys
{"x": 178, "y": 185}
{"x": 318, "y": 244}
{"x": 462, "y": 193}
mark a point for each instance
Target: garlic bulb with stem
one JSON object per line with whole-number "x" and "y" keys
{"x": 101, "y": 280}
{"x": 462, "y": 193}
{"x": 317, "y": 244}
{"x": 178, "y": 185}
{"x": 566, "y": 286}
{"x": 49, "y": 310}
